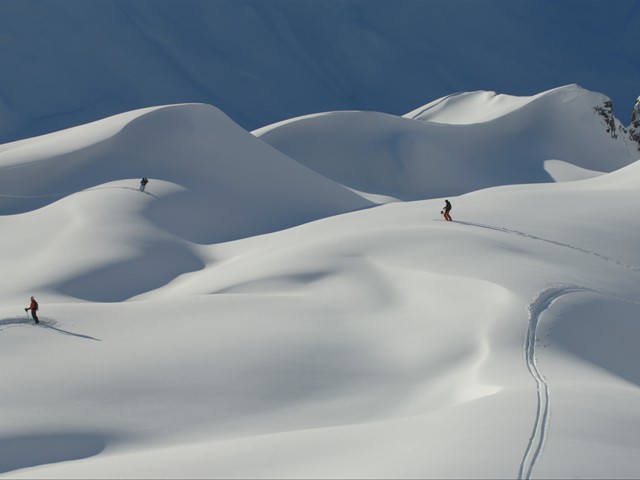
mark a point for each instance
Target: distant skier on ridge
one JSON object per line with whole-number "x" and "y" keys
{"x": 143, "y": 183}
{"x": 445, "y": 211}
{"x": 33, "y": 307}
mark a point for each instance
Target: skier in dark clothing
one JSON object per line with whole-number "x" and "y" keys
{"x": 33, "y": 307}
{"x": 446, "y": 210}
{"x": 143, "y": 183}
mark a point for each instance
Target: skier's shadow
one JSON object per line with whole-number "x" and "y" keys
{"x": 44, "y": 323}
{"x": 65, "y": 332}
{"x": 123, "y": 188}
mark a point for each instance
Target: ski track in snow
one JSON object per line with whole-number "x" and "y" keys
{"x": 536, "y": 308}
{"x": 15, "y": 322}
{"x": 44, "y": 323}
{"x": 542, "y": 301}
{"x": 553, "y": 242}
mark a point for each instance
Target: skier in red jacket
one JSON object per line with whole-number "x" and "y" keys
{"x": 445, "y": 211}
{"x": 33, "y": 307}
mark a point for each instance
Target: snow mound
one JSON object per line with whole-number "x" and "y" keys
{"x": 455, "y": 145}
{"x": 566, "y": 172}
{"x": 98, "y": 238}
{"x": 626, "y": 178}
{"x": 231, "y": 185}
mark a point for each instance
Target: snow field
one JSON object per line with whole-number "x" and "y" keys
{"x": 250, "y": 315}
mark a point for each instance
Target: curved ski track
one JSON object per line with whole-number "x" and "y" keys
{"x": 536, "y": 308}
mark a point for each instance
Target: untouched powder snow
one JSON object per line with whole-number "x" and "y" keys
{"x": 250, "y": 316}
{"x": 458, "y": 144}
{"x": 223, "y": 173}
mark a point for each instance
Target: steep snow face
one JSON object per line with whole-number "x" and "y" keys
{"x": 448, "y": 146}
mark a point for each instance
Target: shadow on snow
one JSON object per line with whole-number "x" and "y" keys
{"x": 31, "y": 450}
{"x": 44, "y": 323}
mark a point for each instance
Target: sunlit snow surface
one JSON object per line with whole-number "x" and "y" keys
{"x": 288, "y": 303}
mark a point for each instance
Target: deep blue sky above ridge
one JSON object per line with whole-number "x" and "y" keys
{"x": 68, "y": 62}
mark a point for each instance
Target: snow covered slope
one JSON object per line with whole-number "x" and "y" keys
{"x": 211, "y": 181}
{"x": 456, "y": 144}
{"x": 305, "y": 335}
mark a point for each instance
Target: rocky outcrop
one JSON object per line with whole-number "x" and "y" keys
{"x": 606, "y": 112}
{"x": 634, "y": 128}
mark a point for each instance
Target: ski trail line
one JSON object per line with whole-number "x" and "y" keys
{"x": 536, "y": 308}
{"x": 44, "y": 323}
{"x": 553, "y": 242}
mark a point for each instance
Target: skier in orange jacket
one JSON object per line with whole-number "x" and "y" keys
{"x": 33, "y": 307}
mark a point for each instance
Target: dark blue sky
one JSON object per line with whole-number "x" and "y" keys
{"x": 69, "y": 62}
